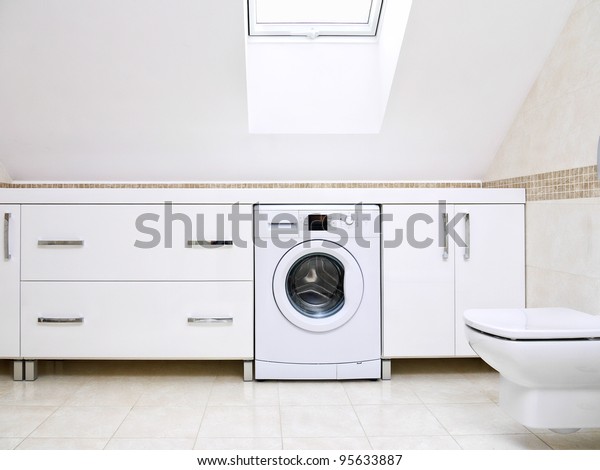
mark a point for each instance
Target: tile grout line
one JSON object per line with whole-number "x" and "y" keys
{"x": 358, "y": 417}
{"x": 123, "y": 420}
{"x": 212, "y": 386}
{"x": 119, "y": 426}
{"x": 37, "y": 427}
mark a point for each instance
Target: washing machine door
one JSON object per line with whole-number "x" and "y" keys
{"x": 318, "y": 285}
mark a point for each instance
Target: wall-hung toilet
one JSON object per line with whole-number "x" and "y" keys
{"x": 548, "y": 360}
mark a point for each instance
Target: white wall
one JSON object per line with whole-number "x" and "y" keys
{"x": 155, "y": 90}
{"x": 4, "y": 176}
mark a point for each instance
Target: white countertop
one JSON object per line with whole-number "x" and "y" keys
{"x": 261, "y": 195}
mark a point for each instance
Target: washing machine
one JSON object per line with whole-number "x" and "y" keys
{"x": 317, "y": 292}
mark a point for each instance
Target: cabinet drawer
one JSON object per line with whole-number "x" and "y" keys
{"x": 136, "y": 242}
{"x": 134, "y": 320}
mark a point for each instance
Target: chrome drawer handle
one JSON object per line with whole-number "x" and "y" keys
{"x": 209, "y": 243}
{"x": 7, "y": 254}
{"x": 210, "y": 320}
{"x": 60, "y": 242}
{"x": 60, "y": 320}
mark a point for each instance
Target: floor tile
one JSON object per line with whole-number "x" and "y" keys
{"x": 476, "y": 419}
{"x": 156, "y": 422}
{"x": 501, "y": 442}
{"x": 8, "y": 443}
{"x": 320, "y": 421}
{"x": 150, "y": 444}
{"x": 380, "y": 393}
{"x": 414, "y": 443}
{"x": 448, "y": 390}
{"x": 575, "y": 441}
{"x": 109, "y": 392}
{"x": 176, "y": 392}
{"x": 42, "y": 392}
{"x": 312, "y": 393}
{"x": 488, "y": 383}
{"x": 34, "y": 443}
{"x": 240, "y": 421}
{"x": 235, "y": 392}
{"x": 238, "y": 443}
{"x": 20, "y": 421}
{"x": 83, "y": 422}
{"x": 398, "y": 420}
{"x": 326, "y": 443}
{"x": 129, "y": 405}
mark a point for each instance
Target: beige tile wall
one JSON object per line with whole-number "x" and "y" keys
{"x": 574, "y": 183}
{"x": 551, "y": 151}
{"x": 558, "y": 125}
{"x": 563, "y": 254}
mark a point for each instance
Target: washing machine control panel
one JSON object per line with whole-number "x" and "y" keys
{"x": 319, "y": 222}
{"x": 338, "y": 223}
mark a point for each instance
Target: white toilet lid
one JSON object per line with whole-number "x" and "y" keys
{"x": 534, "y": 323}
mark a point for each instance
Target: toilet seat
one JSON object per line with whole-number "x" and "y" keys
{"x": 526, "y": 324}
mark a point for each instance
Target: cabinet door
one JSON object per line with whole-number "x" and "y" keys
{"x": 9, "y": 281}
{"x": 490, "y": 270}
{"x": 418, "y": 283}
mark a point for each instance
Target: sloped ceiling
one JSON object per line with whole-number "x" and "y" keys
{"x": 154, "y": 90}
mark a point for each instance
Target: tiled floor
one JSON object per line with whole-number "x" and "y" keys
{"x": 428, "y": 404}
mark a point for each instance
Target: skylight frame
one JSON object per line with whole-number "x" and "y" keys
{"x": 314, "y": 30}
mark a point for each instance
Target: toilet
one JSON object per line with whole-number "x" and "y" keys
{"x": 548, "y": 360}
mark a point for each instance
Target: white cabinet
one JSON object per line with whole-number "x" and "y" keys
{"x": 9, "y": 281}
{"x": 490, "y": 271}
{"x": 137, "y": 281}
{"x": 475, "y": 259}
{"x": 138, "y": 320}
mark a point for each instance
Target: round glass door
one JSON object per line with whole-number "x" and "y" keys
{"x": 315, "y": 285}
{"x": 318, "y": 285}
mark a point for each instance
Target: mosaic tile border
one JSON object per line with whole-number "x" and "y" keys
{"x": 573, "y": 183}
{"x": 325, "y": 185}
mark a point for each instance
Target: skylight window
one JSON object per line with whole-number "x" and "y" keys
{"x": 313, "y": 18}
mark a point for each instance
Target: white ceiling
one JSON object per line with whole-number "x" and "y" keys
{"x": 155, "y": 90}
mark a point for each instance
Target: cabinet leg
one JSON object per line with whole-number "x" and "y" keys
{"x": 31, "y": 371}
{"x": 248, "y": 371}
{"x": 386, "y": 369}
{"x": 18, "y": 371}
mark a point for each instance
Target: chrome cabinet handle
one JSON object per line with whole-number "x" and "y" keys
{"x": 210, "y": 320}
{"x": 209, "y": 243}
{"x": 445, "y": 222}
{"x": 60, "y": 320}
{"x": 60, "y": 242}
{"x": 467, "y": 254}
{"x": 7, "y": 254}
